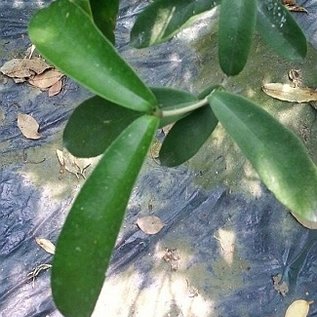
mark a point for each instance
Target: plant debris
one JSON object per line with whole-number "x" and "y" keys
{"x": 280, "y": 286}
{"x": 299, "y": 308}
{"x": 46, "y": 79}
{"x": 28, "y": 126}
{"x": 22, "y": 69}
{"x": 72, "y": 164}
{"x": 36, "y": 72}
{"x": 291, "y": 5}
{"x": 33, "y": 274}
{"x": 55, "y": 89}
{"x": 295, "y": 76}
{"x": 150, "y": 224}
{"x": 171, "y": 256}
{"x": 286, "y": 92}
{"x": 49, "y": 247}
{"x": 45, "y": 244}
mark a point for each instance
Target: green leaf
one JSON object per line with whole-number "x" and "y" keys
{"x": 66, "y": 36}
{"x": 279, "y": 30}
{"x": 84, "y": 4}
{"x": 94, "y": 125}
{"x": 105, "y": 14}
{"x": 163, "y": 18}
{"x": 88, "y": 236}
{"x": 236, "y": 25}
{"x": 168, "y": 97}
{"x": 208, "y": 90}
{"x": 275, "y": 152}
{"x": 187, "y": 136}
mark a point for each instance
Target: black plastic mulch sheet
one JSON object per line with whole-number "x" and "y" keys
{"x": 223, "y": 280}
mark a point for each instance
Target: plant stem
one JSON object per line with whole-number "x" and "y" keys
{"x": 187, "y": 107}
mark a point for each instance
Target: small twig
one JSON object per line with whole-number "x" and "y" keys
{"x": 33, "y": 274}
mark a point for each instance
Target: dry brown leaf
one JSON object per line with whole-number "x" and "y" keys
{"x": 24, "y": 68}
{"x": 28, "y": 126}
{"x": 55, "y": 89}
{"x": 45, "y": 244}
{"x": 286, "y": 92}
{"x": 150, "y": 224}
{"x": 299, "y": 308}
{"x": 46, "y": 79}
{"x": 72, "y": 164}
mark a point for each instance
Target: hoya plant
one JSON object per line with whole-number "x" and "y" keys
{"x": 121, "y": 120}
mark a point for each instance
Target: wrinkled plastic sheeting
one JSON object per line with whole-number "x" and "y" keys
{"x": 34, "y": 202}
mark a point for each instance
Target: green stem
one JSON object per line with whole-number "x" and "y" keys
{"x": 183, "y": 109}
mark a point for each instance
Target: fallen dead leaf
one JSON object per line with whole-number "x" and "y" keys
{"x": 20, "y": 69}
{"x": 286, "y": 92}
{"x": 72, "y": 164}
{"x": 150, "y": 224}
{"x": 46, "y": 79}
{"x": 55, "y": 89}
{"x": 28, "y": 126}
{"x": 299, "y": 308}
{"x": 45, "y": 244}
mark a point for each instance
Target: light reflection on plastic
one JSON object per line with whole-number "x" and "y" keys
{"x": 19, "y": 4}
{"x": 164, "y": 294}
{"x": 226, "y": 240}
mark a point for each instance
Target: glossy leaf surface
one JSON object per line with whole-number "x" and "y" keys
{"x": 279, "y": 30}
{"x": 187, "y": 136}
{"x": 94, "y": 125}
{"x": 168, "y": 97}
{"x": 163, "y": 18}
{"x": 68, "y": 38}
{"x": 208, "y": 90}
{"x": 105, "y": 14}
{"x": 275, "y": 152}
{"x": 88, "y": 236}
{"x": 84, "y": 4}
{"x": 236, "y": 26}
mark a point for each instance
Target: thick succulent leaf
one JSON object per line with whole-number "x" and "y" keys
{"x": 236, "y": 25}
{"x": 279, "y": 30}
{"x": 187, "y": 136}
{"x": 105, "y": 15}
{"x": 88, "y": 236}
{"x": 168, "y": 97}
{"x": 68, "y": 38}
{"x": 275, "y": 152}
{"x": 94, "y": 125}
{"x": 163, "y": 18}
